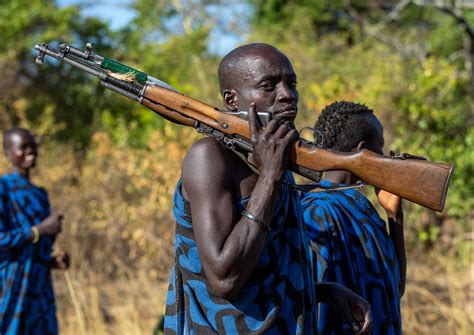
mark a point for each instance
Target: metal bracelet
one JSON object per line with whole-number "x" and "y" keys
{"x": 262, "y": 224}
{"x": 36, "y": 235}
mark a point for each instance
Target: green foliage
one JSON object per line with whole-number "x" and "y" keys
{"x": 419, "y": 90}
{"x": 26, "y": 22}
{"x": 157, "y": 43}
{"x": 324, "y": 14}
{"x": 437, "y": 123}
{"x": 74, "y": 101}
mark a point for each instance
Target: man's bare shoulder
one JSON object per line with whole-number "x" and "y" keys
{"x": 207, "y": 146}
{"x": 207, "y": 149}
{"x": 207, "y": 159}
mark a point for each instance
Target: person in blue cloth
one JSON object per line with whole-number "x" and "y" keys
{"x": 27, "y": 233}
{"x": 242, "y": 262}
{"x": 350, "y": 241}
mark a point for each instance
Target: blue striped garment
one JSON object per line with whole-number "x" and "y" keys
{"x": 352, "y": 247}
{"x": 27, "y": 299}
{"x": 278, "y": 298}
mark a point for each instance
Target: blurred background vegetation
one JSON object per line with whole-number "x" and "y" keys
{"x": 111, "y": 165}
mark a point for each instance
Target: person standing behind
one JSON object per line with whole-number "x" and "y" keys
{"x": 351, "y": 243}
{"x": 27, "y": 233}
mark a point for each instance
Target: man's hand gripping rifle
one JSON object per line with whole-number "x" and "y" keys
{"x": 420, "y": 181}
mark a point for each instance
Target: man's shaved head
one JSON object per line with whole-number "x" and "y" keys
{"x": 10, "y": 134}
{"x": 20, "y": 148}
{"x": 261, "y": 75}
{"x": 231, "y": 70}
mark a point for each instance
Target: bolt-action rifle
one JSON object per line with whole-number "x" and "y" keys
{"x": 420, "y": 181}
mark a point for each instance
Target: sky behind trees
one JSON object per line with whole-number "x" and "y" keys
{"x": 118, "y": 14}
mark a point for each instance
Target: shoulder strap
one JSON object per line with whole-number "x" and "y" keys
{"x": 324, "y": 188}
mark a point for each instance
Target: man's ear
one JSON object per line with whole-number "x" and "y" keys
{"x": 230, "y": 99}
{"x": 8, "y": 155}
{"x": 361, "y": 145}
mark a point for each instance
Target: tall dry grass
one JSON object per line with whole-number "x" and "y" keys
{"x": 119, "y": 231}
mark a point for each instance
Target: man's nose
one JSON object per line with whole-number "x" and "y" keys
{"x": 30, "y": 151}
{"x": 286, "y": 93}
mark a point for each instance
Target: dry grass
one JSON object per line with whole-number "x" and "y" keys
{"x": 119, "y": 231}
{"x": 96, "y": 305}
{"x": 439, "y": 297}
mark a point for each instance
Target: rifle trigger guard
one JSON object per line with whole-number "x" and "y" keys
{"x": 318, "y": 140}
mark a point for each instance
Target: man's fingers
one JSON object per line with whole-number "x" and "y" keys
{"x": 272, "y": 127}
{"x": 282, "y": 130}
{"x": 253, "y": 121}
{"x": 346, "y": 314}
{"x": 362, "y": 314}
{"x": 367, "y": 324}
{"x": 291, "y": 135}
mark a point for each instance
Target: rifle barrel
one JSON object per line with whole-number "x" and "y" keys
{"x": 45, "y": 49}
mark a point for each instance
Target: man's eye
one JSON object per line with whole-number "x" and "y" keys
{"x": 267, "y": 86}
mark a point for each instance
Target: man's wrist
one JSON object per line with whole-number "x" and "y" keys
{"x": 40, "y": 230}
{"x": 265, "y": 226}
{"x": 271, "y": 177}
{"x": 396, "y": 216}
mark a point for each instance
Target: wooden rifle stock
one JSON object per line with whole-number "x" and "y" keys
{"x": 420, "y": 181}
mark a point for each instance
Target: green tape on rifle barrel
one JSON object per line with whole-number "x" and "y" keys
{"x": 114, "y": 66}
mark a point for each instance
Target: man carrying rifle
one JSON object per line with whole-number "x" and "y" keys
{"x": 242, "y": 263}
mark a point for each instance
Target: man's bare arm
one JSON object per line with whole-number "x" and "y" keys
{"x": 230, "y": 244}
{"x": 397, "y": 235}
{"x": 393, "y": 207}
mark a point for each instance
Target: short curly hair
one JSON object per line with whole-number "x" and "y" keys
{"x": 343, "y": 124}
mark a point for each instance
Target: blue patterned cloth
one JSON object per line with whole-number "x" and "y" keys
{"x": 27, "y": 299}
{"x": 352, "y": 247}
{"x": 278, "y": 298}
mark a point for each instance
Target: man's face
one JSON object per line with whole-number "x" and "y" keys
{"x": 22, "y": 150}
{"x": 267, "y": 79}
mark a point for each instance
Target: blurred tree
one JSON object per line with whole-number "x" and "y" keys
{"x": 168, "y": 40}
{"x": 345, "y": 50}
{"x": 64, "y": 103}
